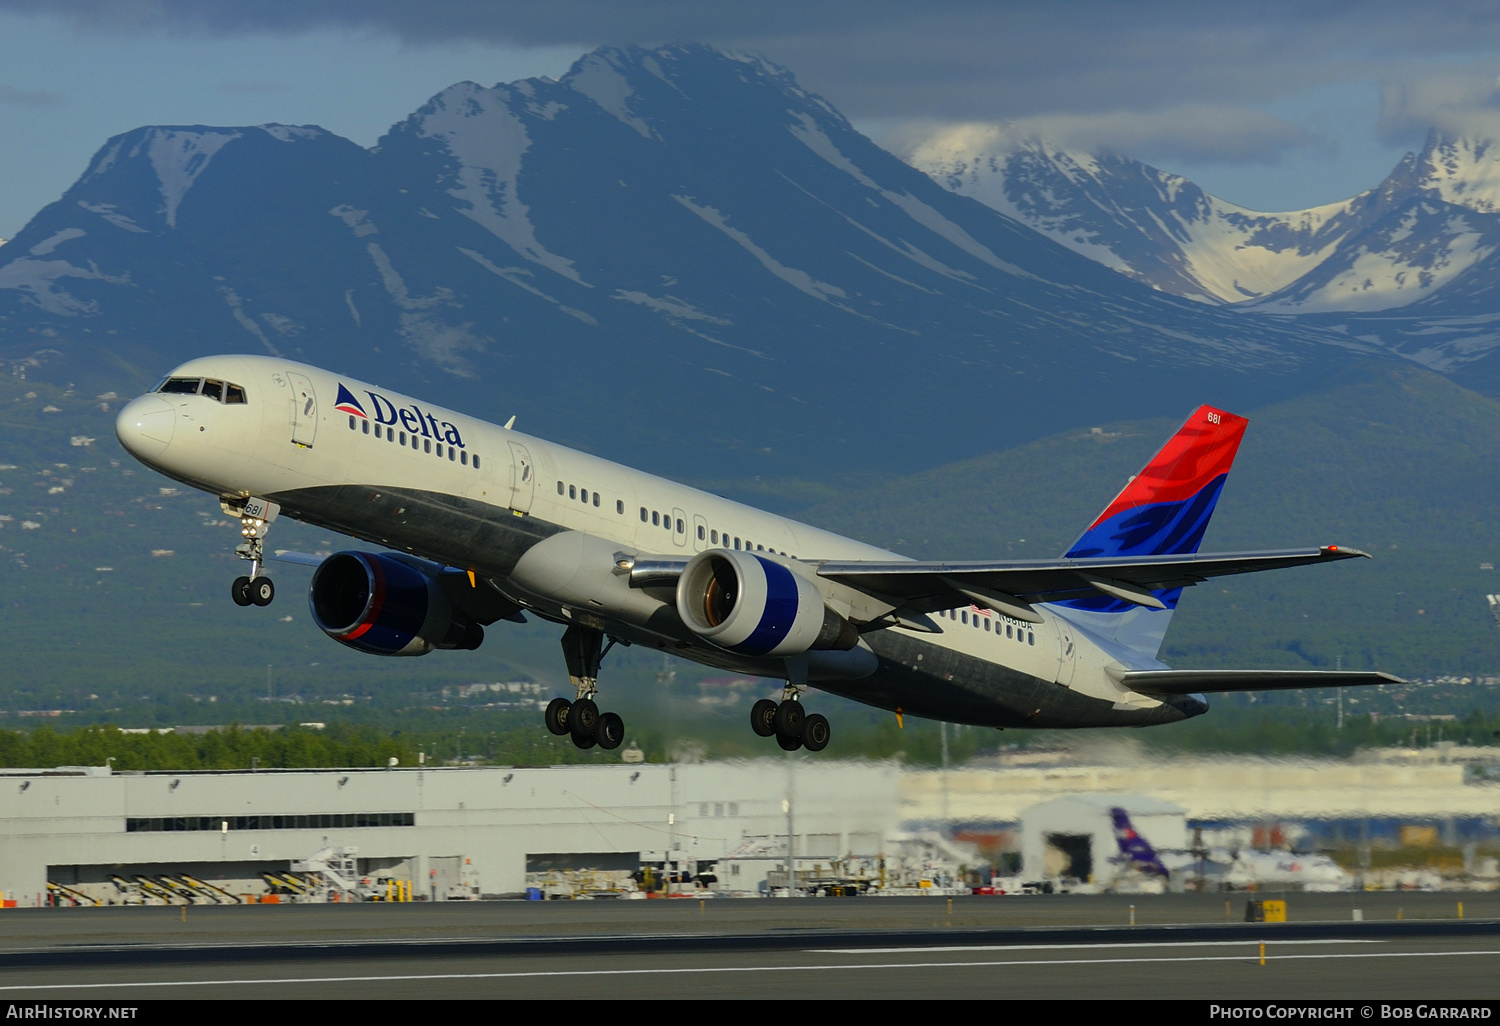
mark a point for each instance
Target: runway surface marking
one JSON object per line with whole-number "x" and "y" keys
{"x": 684, "y": 971}
{"x": 1072, "y": 947}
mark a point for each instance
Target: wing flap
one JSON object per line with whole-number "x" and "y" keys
{"x": 1188, "y": 682}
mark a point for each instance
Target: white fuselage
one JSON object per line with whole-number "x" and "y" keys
{"x": 542, "y": 522}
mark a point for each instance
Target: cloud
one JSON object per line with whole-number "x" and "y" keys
{"x": 23, "y": 98}
{"x": 1196, "y": 133}
{"x": 942, "y": 60}
{"x": 1458, "y": 100}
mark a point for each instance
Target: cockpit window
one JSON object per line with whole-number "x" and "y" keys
{"x": 219, "y": 391}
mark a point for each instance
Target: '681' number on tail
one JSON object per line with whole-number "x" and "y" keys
{"x": 1214, "y": 418}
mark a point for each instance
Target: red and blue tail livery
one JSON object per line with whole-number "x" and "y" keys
{"x": 1165, "y": 509}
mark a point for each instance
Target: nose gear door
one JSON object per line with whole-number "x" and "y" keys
{"x": 304, "y": 410}
{"x": 522, "y": 478}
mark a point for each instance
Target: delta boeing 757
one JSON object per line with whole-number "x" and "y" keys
{"x": 482, "y": 523}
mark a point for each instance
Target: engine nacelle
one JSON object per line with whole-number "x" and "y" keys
{"x": 754, "y": 606}
{"x": 387, "y": 604}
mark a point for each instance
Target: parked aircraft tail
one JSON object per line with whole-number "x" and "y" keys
{"x": 1161, "y": 511}
{"x": 1135, "y": 850}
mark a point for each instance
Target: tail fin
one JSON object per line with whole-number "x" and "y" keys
{"x": 1135, "y": 850}
{"x": 1163, "y": 510}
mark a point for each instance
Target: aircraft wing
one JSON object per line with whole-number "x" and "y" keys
{"x": 1188, "y": 682}
{"x": 1011, "y": 587}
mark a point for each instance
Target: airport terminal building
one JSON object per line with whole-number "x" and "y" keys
{"x": 449, "y": 831}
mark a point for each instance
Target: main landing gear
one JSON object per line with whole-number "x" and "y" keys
{"x": 254, "y": 589}
{"x": 584, "y": 649}
{"x": 786, "y": 720}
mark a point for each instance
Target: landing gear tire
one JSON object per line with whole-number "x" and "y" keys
{"x": 610, "y": 731}
{"x": 583, "y": 723}
{"x": 558, "y": 712}
{"x": 789, "y": 719}
{"x": 763, "y": 717}
{"x": 262, "y": 591}
{"x": 240, "y": 591}
{"x": 788, "y": 744}
{"x": 815, "y": 733}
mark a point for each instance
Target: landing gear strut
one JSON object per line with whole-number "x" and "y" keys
{"x": 789, "y": 723}
{"x": 584, "y": 649}
{"x": 255, "y": 523}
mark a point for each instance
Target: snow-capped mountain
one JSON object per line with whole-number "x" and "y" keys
{"x": 1149, "y": 225}
{"x": 1436, "y": 216}
{"x": 675, "y": 250}
{"x": 1430, "y": 230}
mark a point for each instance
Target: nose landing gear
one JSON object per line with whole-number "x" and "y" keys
{"x": 584, "y": 649}
{"x": 789, "y": 723}
{"x": 255, "y": 523}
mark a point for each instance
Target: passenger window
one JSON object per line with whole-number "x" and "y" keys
{"x": 402, "y": 439}
{"x": 476, "y": 461}
{"x": 643, "y": 514}
{"x": 987, "y": 625}
{"x": 559, "y": 488}
{"x": 426, "y": 445}
{"x": 1030, "y": 638}
{"x": 452, "y": 455}
{"x": 680, "y": 526}
{"x": 234, "y": 394}
{"x": 572, "y": 492}
{"x": 964, "y": 616}
{"x": 463, "y": 457}
{"x": 351, "y": 422}
{"x": 214, "y": 390}
{"x": 713, "y": 537}
{"x": 596, "y": 500}
{"x": 736, "y": 543}
{"x": 583, "y": 496}
{"x": 655, "y": 518}
{"x": 620, "y": 506}
{"x": 439, "y": 450}
{"x": 364, "y": 426}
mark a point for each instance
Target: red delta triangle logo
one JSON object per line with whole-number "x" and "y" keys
{"x": 348, "y": 404}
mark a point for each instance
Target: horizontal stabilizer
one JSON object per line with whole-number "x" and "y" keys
{"x": 1188, "y": 682}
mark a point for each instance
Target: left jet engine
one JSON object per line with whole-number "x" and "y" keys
{"x": 752, "y": 605}
{"x": 388, "y": 604}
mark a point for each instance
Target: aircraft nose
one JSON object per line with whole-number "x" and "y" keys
{"x": 144, "y": 426}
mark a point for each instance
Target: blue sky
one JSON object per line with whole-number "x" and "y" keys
{"x": 1282, "y": 107}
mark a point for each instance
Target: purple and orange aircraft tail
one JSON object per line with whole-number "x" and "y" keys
{"x": 1163, "y": 510}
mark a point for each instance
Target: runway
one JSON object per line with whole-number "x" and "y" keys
{"x": 1035, "y": 947}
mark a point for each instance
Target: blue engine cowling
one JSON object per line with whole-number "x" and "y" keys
{"x": 387, "y": 604}
{"x": 754, "y": 606}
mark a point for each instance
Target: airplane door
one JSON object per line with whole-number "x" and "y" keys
{"x": 1067, "y": 653}
{"x": 522, "y": 478}
{"x": 304, "y": 410}
{"x": 700, "y": 533}
{"x": 679, "y": 528}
